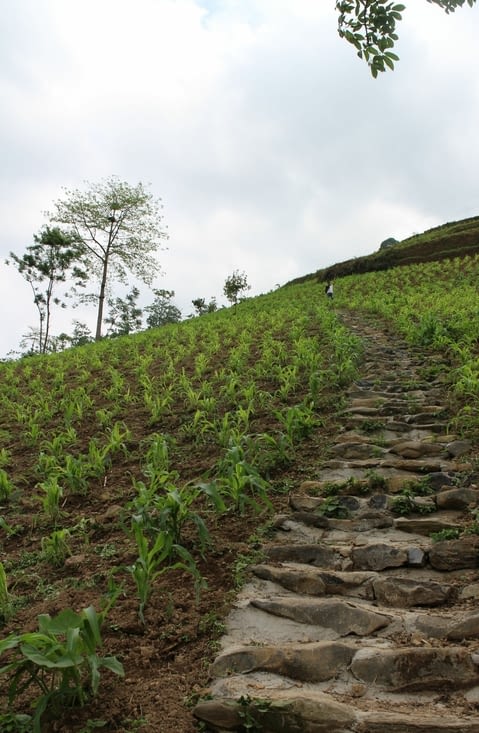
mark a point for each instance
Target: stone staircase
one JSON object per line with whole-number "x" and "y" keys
{"x": 357, "y": 619}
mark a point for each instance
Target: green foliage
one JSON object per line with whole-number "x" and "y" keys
{"x": 420, "y": 487}
{"x": 202, "y": 307}
{"x": 7, "y": 486}
{"x": 376, "y": 481}
{"x": 242, "y": 564}
{"x": 124, "y": 315}
{"x": 162, "y": 310}
{"x": 53, "y": 258}
{"x": 239, "y": 482}
{"x": 370, "y": 26}
{"x": 6, "y": 602}
{"x": 333, "y": 507}
{"x": 52, "y": 497}
{"x": 56, "y": 547}
{"x": 405, "y": 503}
{"x": 371, "y": 426}
{"x": 15, "y": 723}
{"x": 60, "y": 660}
{"x": 154, "y": 559}
{"x": 249, "y": 709}
{"x": 235, "y": 284}
{"x": 297, "y": 422}
{"x": 445, "y": 534}
{"x": 118, "y": 228}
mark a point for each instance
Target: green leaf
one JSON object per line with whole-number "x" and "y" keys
{"x": 114, "y": 665}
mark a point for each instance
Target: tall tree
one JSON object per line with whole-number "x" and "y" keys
{"x": 234, "y": 285}
{"x": 120, "y": 230}
{"x": 52, "y": 259}
{"x": 370, "y": 26}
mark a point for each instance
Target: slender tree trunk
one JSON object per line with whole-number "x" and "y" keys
{"x": 101, "y": 300}
{"x": 47, "y": 317}
{"x": 101, "y": 297}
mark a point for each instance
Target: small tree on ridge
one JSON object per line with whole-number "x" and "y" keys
{"x": 234, "y": 285}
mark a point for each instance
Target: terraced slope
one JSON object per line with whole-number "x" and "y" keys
{"x": 357, "y": 620}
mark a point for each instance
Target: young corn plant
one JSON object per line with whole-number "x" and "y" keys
{"x": 175, "y": 509}
{"x": 7, "y": 487}
{"x": 60, "y": 661}
{"x": 157, "y": 454}
{"x": 154, "y": 559}
{"x": 5, "y": 457}
{"x": 56, "y": 547}
{"x": 56, "y": 446}
{"x": 158, "y": 405}
{"x": 52, "y": 497}
{"x": 75, "y": 474}
{"x": 297, "y": 422}
{"x": 117, "y": 440}
{"x": 6, "y": 601}
{"x": 239, "y": 483}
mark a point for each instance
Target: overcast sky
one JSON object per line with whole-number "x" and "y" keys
{"x": 273, "y": 149}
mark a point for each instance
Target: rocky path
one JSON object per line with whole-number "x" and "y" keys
{"x": 359, "y": 620}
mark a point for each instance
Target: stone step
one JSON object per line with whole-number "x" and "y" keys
{"x": 300, "y": 711}
{"x": 357, "y": 621}
{"x": 343, "y": 617}
{"x": 384, "y": 588}
{"x": 402, "y": 669}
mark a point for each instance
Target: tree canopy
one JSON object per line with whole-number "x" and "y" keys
{"x": 235, "y": 284}
{"x": 52, "y": 259}
{"x": 119, "y": 229}
{"x": 370, "y": 26}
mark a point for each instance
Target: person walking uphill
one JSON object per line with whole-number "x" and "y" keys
{"x": 329, "y": 290}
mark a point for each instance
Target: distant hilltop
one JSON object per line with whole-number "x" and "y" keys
{"x": 454, "y": 239}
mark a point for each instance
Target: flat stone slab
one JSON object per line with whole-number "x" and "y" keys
{"x": 417, "y": 449}
{"x": 343, "y": 617}
{"x": 281, "y": 712}
{"x": 414, "y": 668}
{"x": 378, "y": 557}
{"x": 406, "y": 593}
{"x": 459, "y": 499}
{"x": 309, "y": 554}
{"x": 416, "y": 722}
{"x": 313, "y": 662}
{"x": 455, "y": 554}
{"x": 452, "y": 629}
{"x": 424, "y": 525}
{"x": 312, "y": 582}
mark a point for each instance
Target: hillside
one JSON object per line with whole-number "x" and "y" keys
{"x": 141, "y": 475}
{"x": 454, "y": 239}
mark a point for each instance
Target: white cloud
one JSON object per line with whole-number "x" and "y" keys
{"x": 273, "y": 149}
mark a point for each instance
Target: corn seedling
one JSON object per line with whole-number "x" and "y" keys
{"x": 6, "y": 604}
{"x": 56, "y": 446}
{"x": 75, "y": 474}
{"x": 117, "y": 440}
{"x": 56, "y": 547}
{"x": 10, "y": 531}
{"x": 7, "y": 486}
{"x": 52, "y": 497}
{"x": 158, "y": 405}
{"x": 298, "y": 422}
{"x": 5, "y": 457}
{"x": 240, "y": 483}
{"x": 60, "y": 660}
{"x": 154, "y": 559}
